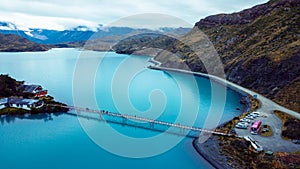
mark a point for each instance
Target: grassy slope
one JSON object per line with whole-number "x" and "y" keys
{"x": 259, "y": 48}
{"x": 263, "y": 55}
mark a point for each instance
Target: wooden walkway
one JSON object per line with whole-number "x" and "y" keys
{"x": 142, "y": 119}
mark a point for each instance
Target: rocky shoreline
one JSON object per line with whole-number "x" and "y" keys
{"x": 209, "y": 150}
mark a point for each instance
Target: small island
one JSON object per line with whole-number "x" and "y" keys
{"x": 17, "y": 98}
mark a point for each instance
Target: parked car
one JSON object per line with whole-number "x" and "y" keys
{"x": 296, "y": 141}
{"x": 245, "y": 120}
{"x": 256, "y": 112}
{"x": 243, "y": 123}
{"x": 254, "y": 115}
{"x": 241, "y": 126}
{"x": 249, "y": 117}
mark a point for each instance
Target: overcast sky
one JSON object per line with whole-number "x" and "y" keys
{"x": 65, "y": 14}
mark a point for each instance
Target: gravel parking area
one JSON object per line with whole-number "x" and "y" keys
{"x": 275, "y": 142}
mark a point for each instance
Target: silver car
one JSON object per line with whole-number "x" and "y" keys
{"x": 241, "y": 126}
{"x": 245, "y": 120}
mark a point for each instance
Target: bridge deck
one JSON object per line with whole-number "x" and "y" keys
{"x": 142, "y": 119}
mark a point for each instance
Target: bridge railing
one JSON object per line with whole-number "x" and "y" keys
{"x": 184, "y": 129}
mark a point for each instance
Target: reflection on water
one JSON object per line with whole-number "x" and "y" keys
{"x": 41, "y": 116}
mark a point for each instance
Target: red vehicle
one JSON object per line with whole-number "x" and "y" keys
{"x": 255, "y": 127}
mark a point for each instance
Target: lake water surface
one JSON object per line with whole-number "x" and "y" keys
{"x": 67, "y": 141}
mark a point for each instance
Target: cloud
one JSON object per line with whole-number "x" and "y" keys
{"x": 24, "y": 21}
{"x": 60, "y": 14}
{"x": 151, "y": 20}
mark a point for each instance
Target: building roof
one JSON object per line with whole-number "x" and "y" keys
{"x": 3, "y": 101}
{"x": 29, "y": 88}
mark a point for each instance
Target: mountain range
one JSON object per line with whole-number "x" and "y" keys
{"x": 77, "y": 34}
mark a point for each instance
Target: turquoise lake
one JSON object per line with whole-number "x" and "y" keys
{"x": 67, "y": 141}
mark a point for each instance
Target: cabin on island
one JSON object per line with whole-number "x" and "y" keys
{"x": 26, "y": 104}
{"x": 37, "y": 90}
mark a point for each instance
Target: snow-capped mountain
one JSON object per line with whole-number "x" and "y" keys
{"x": 44, "y": 36}
{"x": 79, "y": 33}
{"x": 7, "y": 26}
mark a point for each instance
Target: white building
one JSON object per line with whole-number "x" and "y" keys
{"x": 26, "y": 104}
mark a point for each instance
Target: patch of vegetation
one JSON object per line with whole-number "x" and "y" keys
{"x": 289, "y": 95}
{"x": 48, "y": 101}
{"x": 9, "y": 86}
{"x": 12, "y": 110}
{"x": 241, "y": 155}
{"x": 289, "y": 160}
{"x": 266, "y": 131}
{"x": 255, "y": 103}
{"x": 238, "y": 152}
{"x": 291, "y": 125}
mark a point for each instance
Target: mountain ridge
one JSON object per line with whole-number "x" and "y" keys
{"x": 244, "y": 16}
{"x": 15, "y": 43}
{"x": 259, "y": 48}
{"x": 76, "y": 34}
